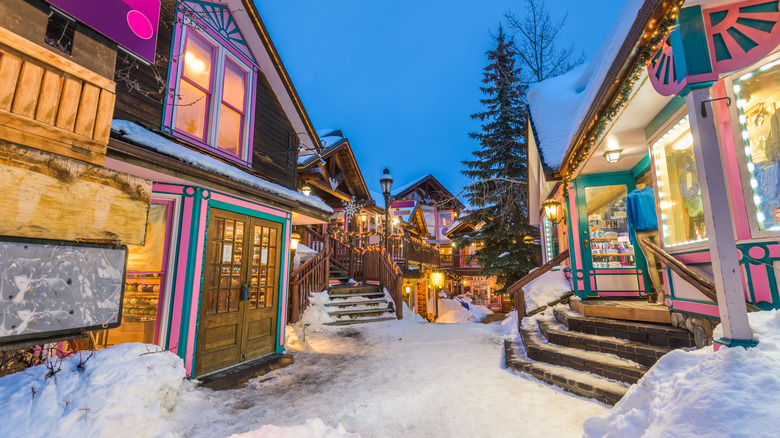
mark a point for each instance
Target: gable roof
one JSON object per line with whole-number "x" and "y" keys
{"x": 407, "y": 189}
{"x": 337, "y": 144}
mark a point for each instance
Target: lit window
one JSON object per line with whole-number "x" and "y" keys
{"x": 682, "y": 212}
{"x": 758, "y": 97}
{"x": 213, "y": 96}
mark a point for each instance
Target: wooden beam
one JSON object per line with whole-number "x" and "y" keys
{"x": 47, "y": 196}
{"x": 326, "y": 188}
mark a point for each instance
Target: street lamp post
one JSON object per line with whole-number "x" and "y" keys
{"x": 387, "y": 183}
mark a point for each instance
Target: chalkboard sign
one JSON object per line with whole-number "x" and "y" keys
{"x": 56, "y": 288}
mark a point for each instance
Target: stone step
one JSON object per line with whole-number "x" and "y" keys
{"x": 366, "y": 295}
{"x": 360, "y": 313}
{"x": 646, "y": 333}
{"x": 349, "y": 303}
{"x": 360, "y": 321}
{"x": 576, "y": 382}
{"x": 605, "y": 365}
{"x": 642, "y": 354}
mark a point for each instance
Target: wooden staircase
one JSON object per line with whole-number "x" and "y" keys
{"x": 358, "y": 304}
{"x": 591, "y": 356}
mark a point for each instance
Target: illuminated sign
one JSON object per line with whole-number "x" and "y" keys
{"x": 131, "y": 23}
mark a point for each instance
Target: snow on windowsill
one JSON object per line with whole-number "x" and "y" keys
{"x": 140, "y": 136}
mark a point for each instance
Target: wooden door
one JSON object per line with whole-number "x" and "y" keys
{"x": 239, "y": 300}
{"x": 259, "y": 331}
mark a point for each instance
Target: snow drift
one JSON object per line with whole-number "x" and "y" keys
{"x": 549, "y": 287}
{"x": 453, "y": 311}
{"x": 732, "y": 392}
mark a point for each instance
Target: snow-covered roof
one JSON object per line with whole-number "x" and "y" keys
{"x": 559, "y": 105}
{"x": 148, "y": 139}
{"x": 410, "y": 185}
{"x": 378, "y": 198}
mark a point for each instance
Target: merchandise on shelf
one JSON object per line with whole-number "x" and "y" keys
{"x": 142, "y": 294}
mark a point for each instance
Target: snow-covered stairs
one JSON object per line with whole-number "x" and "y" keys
{"x": 592, "y": 357}
{"x": 356, "y": 304}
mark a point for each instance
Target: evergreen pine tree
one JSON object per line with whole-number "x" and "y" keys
{"x": 499, "y": 172}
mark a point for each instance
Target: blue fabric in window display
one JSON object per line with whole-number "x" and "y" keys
{"x": 767, "y": 175}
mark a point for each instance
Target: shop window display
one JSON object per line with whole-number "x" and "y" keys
{"x": 677, "y": 185}
{"x": 758, "y": 99}
{"x": 144, "y": 283}
{"x": 610, "y": 245}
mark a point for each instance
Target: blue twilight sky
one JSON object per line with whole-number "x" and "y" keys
{"x": 402, "y": 78}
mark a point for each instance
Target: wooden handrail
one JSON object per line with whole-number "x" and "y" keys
{"x": 706, "y": 287}
{"x": 311, "y": 277}
{"x": 517, "y": 287}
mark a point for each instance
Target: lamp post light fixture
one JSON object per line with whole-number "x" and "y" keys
{"x": 613, "y": 155}
{"x": 306, "y": 190}
{"x": 386, "y": 181}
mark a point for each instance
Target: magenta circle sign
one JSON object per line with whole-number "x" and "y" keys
{"x": 139, "y": 24}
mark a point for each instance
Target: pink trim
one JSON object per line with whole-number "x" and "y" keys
{"x": 745, "y": 289}
{"x": 592, "y": 282}
{"x": 695, "y": 257}
{"x": 164, "y": 274}
{"x": 700, "y": 308}
{"x": 167, "y": 188}
{"x": 575, "y": 227}
{"x": 615, "y": 271}
{"x": 774, "y": 251}
{"x": 640, "y": 280}
{"x": 761, "y": 290}
{"x": 618, "y": 294}
{"x": 181, "y": 274}
{"x": 733, "y": 177}
{"x": 580, "y": 285}
{"x": 196, "y": 285}
{"x": 240, "y": 202}
{"x": 285, "y": 277}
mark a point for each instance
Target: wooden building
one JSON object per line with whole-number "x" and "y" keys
{"x": 203, "y": 134}
{"x": 685, "y": 103}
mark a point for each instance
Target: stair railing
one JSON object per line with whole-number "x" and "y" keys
{"x": 377, "y": 265}
{"x": 517, "y": 287}
{"x": 311, "y": 238}
{"x": 310, "y": 277}
{"x": 703, "y": 285}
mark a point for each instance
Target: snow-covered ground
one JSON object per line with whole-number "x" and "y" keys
{"x": 550, "y": 286}
{"x": 391, "y": 379}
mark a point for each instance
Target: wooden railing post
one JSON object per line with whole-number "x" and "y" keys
{"x": 326, "y": 248}
{"x": 295, "y": 298}
{"x": 520, "y": 307}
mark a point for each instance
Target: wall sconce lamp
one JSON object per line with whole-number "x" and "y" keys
{"x": 306, "y": 190}
{"x": 612, "y": 156}
{"x": 528, "y": 240}
{"x": 553, "y": 210}
{"x": 363, "y": 217}
{"x": 294, "y": 240}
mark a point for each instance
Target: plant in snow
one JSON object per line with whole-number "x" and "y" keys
{"x": 499, "y": 172}
{"x": 535, "y": 41}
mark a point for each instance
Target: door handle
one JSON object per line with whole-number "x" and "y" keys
{"x": 587, "y": 243}
{"x": 244, "y": 292}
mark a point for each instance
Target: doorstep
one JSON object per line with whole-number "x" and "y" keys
{"x": 625, "y": 309}
{"x": 235, "y": 377}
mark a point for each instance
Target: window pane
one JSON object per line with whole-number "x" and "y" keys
{"x": 234, "y": 89}
{"x": 191, "y": 110}
{"x": 229, "y": 130}
{"x": 758, "y": 96}
{"x": 608, "y": 225}
{"x": 197, "y": 61}
{"x": 682, "y": 213}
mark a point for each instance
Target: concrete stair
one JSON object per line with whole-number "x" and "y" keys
{"x": 358, "y": 304}
{"x": 593, "y": 357}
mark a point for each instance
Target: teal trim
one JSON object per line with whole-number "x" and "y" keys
{"x": 730, "y": 343}
{"x": 695, "y": 86}
{"x": 690, "y": 44}
{"x": 721, "y": 50}
{"x": 745, "y": 42}
{"x": 174, "y": 272}
{"x": 200, "y": 295}
{"x": 762, "y": 25}
{"x": 247, "y": 211}
{"x": 192, "y": 255}
{"x": 282, "y": 270}
{"x": 717, "y": 17}
{"x": 641, "y": 166}
{"x": 761, "y": 7}
{"x": 664, "y": 116}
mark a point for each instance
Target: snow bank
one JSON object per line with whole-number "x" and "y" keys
{"x": 452, "y": 311}
{"x": 549, "y": 287}
{"x": 316, "y": 315}
{"x": 121, "y": 391}
{"x": 313, "y": 428}
{"x": 732, "y": 392}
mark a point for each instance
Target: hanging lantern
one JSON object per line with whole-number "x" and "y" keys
{"x": 552, "y": 210}
{"x": 306, "y": 190}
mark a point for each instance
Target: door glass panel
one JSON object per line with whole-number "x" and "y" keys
{"x": 262, "y": 281}
{"x": 608, "y": 227}
{"x": 224, "y": 289}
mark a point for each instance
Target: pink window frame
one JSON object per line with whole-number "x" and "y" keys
{"x": 246, "y": 65}
{"x": 209, "y": 92}
{"x": 242, "y": 111}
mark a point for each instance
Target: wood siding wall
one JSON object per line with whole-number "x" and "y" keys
{"x": 273, "y": 132}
